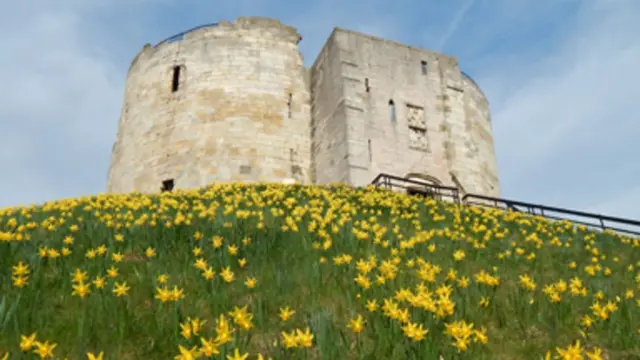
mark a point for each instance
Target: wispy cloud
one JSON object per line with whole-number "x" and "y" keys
{"x": 61, "y": 94}
{"x": 565, "y": 133}
{"x": 454, "y": 24}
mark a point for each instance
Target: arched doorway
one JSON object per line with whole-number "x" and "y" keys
{"x": 429, "y": 189}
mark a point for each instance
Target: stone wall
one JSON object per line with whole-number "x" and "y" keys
{"x": 407, "y": 111}
{"x": 241, "y": 111}
{"x": 481, "y": 148}
{"x": 247, "y": 110}
{"x": 328, "y": 131}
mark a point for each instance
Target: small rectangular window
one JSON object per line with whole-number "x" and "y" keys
{"x": 392, "y": 111}
{"x": 176, "y": 79}
{"x": 167, "y": 185}
{"x": 423, "y": 65}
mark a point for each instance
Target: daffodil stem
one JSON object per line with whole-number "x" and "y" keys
{"x": 176, "y": 318}
{"x": 81, "y": 325}
{"x": 121, "y": 322}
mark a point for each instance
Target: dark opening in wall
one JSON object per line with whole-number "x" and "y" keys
{"x": 176, "y": 79}
{"x": 421, "y": 192}
{"x": 423, "y": 65}
{"x": 392, "y": 110}
{"x": 366, "y": 84}
{"x": 289, "y": 105}
{"x": 167, "y": 185}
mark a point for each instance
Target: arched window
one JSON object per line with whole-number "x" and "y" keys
{"x": 429, "y": 189}
{"x": 392, "y": 111}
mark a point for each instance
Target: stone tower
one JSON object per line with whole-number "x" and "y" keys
{"x": 224, "y": 102}
{"x": 233, "y": 102}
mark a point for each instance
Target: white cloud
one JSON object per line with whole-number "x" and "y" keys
{"x": 624, "y": 204}
{"x": 565, "y": 122}
{"x": 454, "y": 24}
{"x": 60, "y": 102}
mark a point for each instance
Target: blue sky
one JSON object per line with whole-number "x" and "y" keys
{"x": 562, "y": 78}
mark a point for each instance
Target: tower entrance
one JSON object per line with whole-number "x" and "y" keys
{"x": 423, "y": 185}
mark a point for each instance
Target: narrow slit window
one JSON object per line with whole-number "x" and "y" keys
{"x": 366, "y": 84}
{"x": 167, "y": 185}
{"x": 392, "y": 110}
{"x": 289, "y": 105}
{"x": 175, "y": 84}
{"x": 423, "y": 66}
{"x": 370, "y": 154}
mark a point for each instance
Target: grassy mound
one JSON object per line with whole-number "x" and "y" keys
{"x": 302, "y": 272}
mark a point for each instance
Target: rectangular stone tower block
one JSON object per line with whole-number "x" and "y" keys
{"x": 381, "y": 106}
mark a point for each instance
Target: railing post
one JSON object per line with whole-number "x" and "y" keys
{"x": 386, "y": 180}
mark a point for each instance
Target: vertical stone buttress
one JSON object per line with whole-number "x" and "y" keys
{"x": 328, "y": 130}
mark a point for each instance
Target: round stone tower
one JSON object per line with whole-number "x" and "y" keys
{"x": 221, "y": 102}
{"x": 480, "y": 165}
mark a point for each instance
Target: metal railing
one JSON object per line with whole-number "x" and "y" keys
{"x": 180, "y": 36}
{"x": 592, "y": 220}
{"x": 392, "y": 182}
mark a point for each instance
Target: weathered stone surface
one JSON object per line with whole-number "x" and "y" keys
{"x": 232, "y": 117}
{"x": 247, "y": 110}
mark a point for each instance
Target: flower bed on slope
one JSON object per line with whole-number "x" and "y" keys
{"x": 241, "y": 271}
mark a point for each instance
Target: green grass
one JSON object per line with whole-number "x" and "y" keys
{"x": 305, "y": 246}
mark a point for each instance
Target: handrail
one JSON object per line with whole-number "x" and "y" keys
{"x": 180, "y": 35}
{"x": 392, "y": 181}
{"x": 437, "y": 191}
{"x": 470, "y": 78}
{"x": 415, "y": 182}
{"x": 544, "y": 210}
